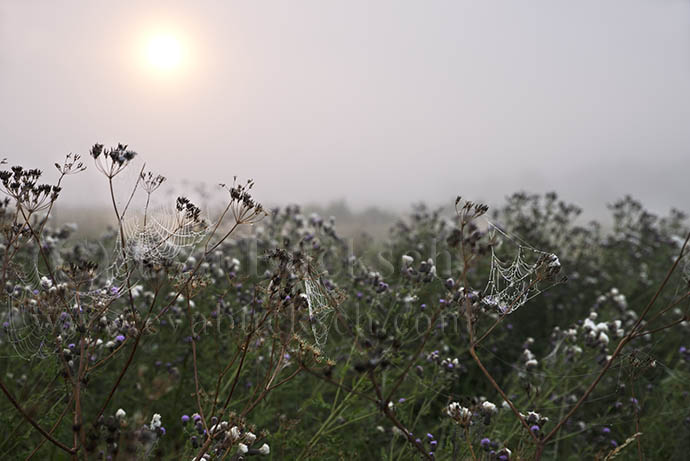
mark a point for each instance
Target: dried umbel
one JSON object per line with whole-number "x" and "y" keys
{"x": 548, "y": 267}
{"x": 245, "y": 209}
{"x": 150, "y": 182}
{"x": 112, "y": 161}
{"x": 22, "y": 185}
{"x": 71, "y": 165}
{"x": 469, "y": 211}
{"x": 190, "y": 211}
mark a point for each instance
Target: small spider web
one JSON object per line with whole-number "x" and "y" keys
{"x": 321, "y": 306}
{"x": 515, "y": 280}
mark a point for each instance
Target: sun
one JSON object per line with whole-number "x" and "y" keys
{"x": 164, "y": 52}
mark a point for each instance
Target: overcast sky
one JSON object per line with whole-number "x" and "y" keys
{"x": 383, "y": 103}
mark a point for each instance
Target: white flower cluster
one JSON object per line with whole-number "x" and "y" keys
{"x": 489, "y": 408}
{"x": 616, "y": 296}
{"x": 596, "y": 331}
{"x": 407, "y": 260}
{"x": 432, "y": 356}
{"x": 572, "y": 350}
{"x": 46, "y": 283}
{"x": 429, "y": 267}
{"x": 234, "y": 435}
{"x": 530, "y": 359}
{"x": 533, "y": 417}
{"x": 155, "y": 422}
{"x": 460, "y": 414}
{"x": 450, "y": 363}
{"x": 409, "y": 299}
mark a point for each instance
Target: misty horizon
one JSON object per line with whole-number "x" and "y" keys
{"x": 380, "y": 105}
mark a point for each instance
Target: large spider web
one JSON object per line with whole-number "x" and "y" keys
{"x": 516, "y": 279}
{"x": 22, "y": 331}
{"x": 160, "y": 235}
{"x": 152, "y": 236}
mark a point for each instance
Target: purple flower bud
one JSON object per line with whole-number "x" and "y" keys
{"x": 605, "y": 430}
{"x": 120, "y": 338}
{"x": 185, "y": 419}
{"x": 535, "y": 428}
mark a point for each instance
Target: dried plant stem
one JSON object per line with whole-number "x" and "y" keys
{"x": 469, "y": 443}
{"x": 640, "y": 454}
{"x": 470, "y": 329}
{"x": 195, "y": 366}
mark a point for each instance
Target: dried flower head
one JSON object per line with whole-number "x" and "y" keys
{"x": 112, "y": 161}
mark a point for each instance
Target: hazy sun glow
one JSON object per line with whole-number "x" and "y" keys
{"x": 164, "y": 52}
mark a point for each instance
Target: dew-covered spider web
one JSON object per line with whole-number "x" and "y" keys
{"x": 321, "y": 306}
{"x": 22, "y": 331}
{"x": 518, "y": 274}
{"x": 160, "y": 235}
{"x": 151, "y": 237}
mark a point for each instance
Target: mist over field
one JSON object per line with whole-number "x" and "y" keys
{"x": 382, "y": 104}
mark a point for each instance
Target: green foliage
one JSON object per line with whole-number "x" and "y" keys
{"x": 223, "y": 327}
